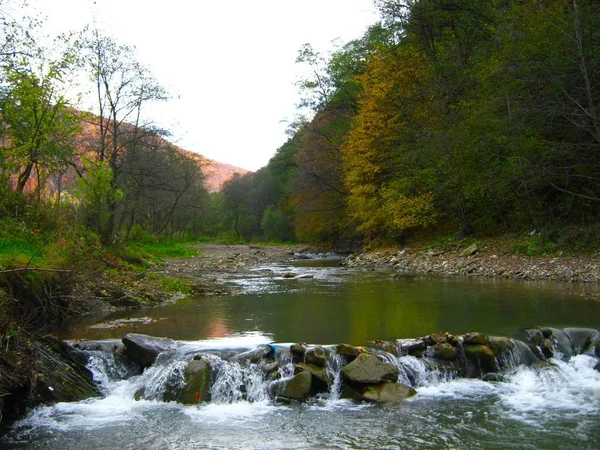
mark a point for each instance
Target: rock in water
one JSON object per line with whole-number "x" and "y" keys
{"x": 61, "y": 375}
{"x": 368, "y": 369}
{"x": 196, "y": 389}
{"x": 581, "y": 338}
{"x": 445, "y": 351}
{"x": 347, "y": 351}
{"x": 144, "y": 349}
{"x": 482, "y": 356}
{"x": 388, "y": 392}
{"x": 316, "y": 356}
{"x": 475, "y": 339}
{"x": 296, "y": 388}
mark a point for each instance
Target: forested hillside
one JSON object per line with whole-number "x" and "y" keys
{"x": 448, "y": 117}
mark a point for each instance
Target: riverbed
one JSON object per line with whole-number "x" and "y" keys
{"x": 552, "y": 407}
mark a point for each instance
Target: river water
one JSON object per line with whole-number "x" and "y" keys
{"x": 555, "y": 406}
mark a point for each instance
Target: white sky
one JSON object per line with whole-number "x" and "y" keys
{"x": 230, "y": 65}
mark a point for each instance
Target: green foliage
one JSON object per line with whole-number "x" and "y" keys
{"x": 164, "y": 248}
{"x": 275, "y": 226}
{"x": 176, "y": 285}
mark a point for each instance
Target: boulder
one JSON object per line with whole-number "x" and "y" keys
{"x": 482, "y": 356}
{"x": 475, "y": 339}
{"x": 415, "y": 349}
{"x": 316, "y": 356}
{"x": 561, "y": 341}
{"x": 298, "y": 351}
{"x": 368, "y": 369}
{"x": 295, "y": 388}
{"x": 445, "y": 351}
{"x": 388, "y": 392}
{"x": 597, "y": 367}
{"x": 255, "y": 355}
{"x": 320, "y": 378}
{"x": 349, "y": 352}
{"x": 196, "y": 384}
{"x": 596, "y": 346}
{"x": 144, "y": 349}
{"x": 61, "y": 374}
{"x": 581, "y": 339}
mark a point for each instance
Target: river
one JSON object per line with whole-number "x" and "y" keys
{"x": 553, "y": 407}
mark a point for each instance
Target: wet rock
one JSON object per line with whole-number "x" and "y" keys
{"x": 562, "y": 343}
{"x": 255, "y": 355}
{"x": 388, "y": 347}
{"x": 305, "y": 276}
{"x": 415, "y": 348}
{"x": 298, "y": 351}
{"x": 596, "y": 346}
{"x": 388, "y": 392}
{"x": 144, "y": 349}
{"x": 316, "y": 356}
{"x": 296, "y": 388}
{"x": 320, "y": 378}
{"x": 445, "y": 351}
{"x": 494, "y": 378}
{"x": 61, "y": 374}
{"x": 475, "y": 339}
{"x": 581, "y": 338}
{"x": 546, "y": 332}
{"x": 597, "y": 367}
{"x": 109, "y": 345}
{"x": 368, "y": 369}
{"x": 482, "y": 356}
{"x": 349, "y": 352}
{"x": 288, "y": 275}
{"x": 196, "y": 384}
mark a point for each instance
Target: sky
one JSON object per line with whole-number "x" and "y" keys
{"x": 228, "y": 65}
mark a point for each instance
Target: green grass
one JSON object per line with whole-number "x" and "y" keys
{"x": 176, "y": 285}
{"x": 155, "y": 251}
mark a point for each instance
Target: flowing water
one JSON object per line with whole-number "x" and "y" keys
{"x": 551, "y": 406}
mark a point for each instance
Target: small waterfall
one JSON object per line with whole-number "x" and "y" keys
{"x": 335, "y": 364}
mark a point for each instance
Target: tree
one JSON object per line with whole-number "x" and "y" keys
{"x": 39, "y": 124}
{"x": 122, "y": 87}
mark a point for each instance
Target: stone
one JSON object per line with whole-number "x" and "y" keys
{"x": 144, "y": 349}
{"x": 368, "y": 369}
{"x": 347, "y": 351}
{"x": 388, "y": 392}
{"x": 562, "y": 343}
{"x": 61, "y": 374}
{"x": 415, "y": 348}
{"x": 196, "y": 378}
{"x": 597, "y": 367}
{"x": 316, "y": 356}
{"x": 445, "y": 351}
{"x": 298, "y": 351}
{"x": 295, "y": 388}
{"x": 475, "y": 339}
{"x": 581, "y": 338}
{"x": 482, "y": 356}
{"x": 288, "y": 275}
{"x": 320, "y": 378}
{"x": 470, "y": 250}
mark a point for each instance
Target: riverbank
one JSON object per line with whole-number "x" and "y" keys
{"x": 485, "y": 261}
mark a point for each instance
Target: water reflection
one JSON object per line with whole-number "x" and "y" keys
{"x": 339, "y": 305}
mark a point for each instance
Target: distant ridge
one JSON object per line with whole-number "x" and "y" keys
{"x": 216, "y": 173}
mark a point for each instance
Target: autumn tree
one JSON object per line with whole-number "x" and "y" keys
{"x": 39, "y": 122}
